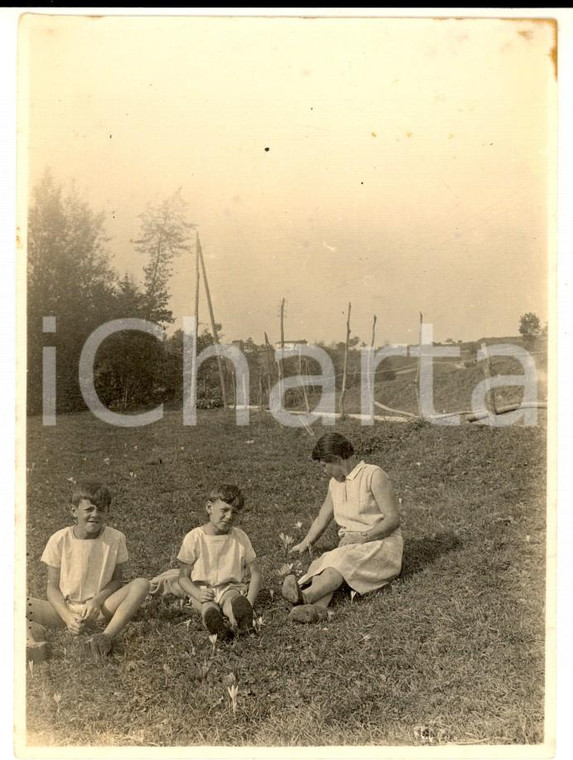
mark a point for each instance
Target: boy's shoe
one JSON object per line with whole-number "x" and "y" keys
{"x": 308, "y": 613}
{"x": 99, "y": 645}
{"x": 291, "y": 590}
{"x": 243, "y": 613}
{"x": 38, "y": 651}
{"x": 215, "y": 623}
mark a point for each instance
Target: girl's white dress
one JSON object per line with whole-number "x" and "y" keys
{"x": 364, "y": 567}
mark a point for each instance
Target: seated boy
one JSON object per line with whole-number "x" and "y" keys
{"x": 213, "y": 562}
{"x": 85, "y": 584}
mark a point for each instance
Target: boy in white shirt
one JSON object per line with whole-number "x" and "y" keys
{"x": 85, "y": 583}
{"x": 214, "y": 560}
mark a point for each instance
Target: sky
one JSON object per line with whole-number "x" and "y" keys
{"x": 404, "y": 165}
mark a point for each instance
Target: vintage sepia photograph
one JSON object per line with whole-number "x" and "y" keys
{"x": 286, "y": 383}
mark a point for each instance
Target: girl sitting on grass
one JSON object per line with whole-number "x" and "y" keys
{"x": 361, "y": 500}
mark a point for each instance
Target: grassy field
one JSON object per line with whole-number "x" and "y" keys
{"x": 451, "y": 652}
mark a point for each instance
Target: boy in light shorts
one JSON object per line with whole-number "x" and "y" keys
{"x": 214, "y": 561}
{"x": 85, "y": 583}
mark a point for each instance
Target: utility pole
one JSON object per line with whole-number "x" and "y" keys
{"x": 343, "y": 391}
{"x": 213, "y": 326}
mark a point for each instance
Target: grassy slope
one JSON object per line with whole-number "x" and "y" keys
{"x": 452, "y": 651}
{"x": 453, "y": 386}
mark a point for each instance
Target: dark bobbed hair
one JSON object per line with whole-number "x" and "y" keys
{"x": 332, "y": 446}
{"x": 93, "y": 490}
{"x": 228, "y": 493}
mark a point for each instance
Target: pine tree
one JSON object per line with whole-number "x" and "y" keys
{"x": 69, "y": 278}
{"x": 165, "y": 234}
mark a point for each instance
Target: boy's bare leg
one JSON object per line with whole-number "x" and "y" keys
{"x": 40, "y": 613}
{"x": 227, "y": 608}
{"x": 122, "y": 605}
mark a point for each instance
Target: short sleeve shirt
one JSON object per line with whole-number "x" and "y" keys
{"x": 355, "y": 508}
{"x": 217, "y": 559}
{"x": 86, "y": 565}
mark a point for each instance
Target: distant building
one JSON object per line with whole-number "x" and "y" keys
{"x": 291, "y": 345}
{"x": 246, "y": 346}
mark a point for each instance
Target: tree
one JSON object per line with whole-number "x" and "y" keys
{"x": 69, "y": 278}
{"x": 208, "y": 387}
{"x": 529, "y": 326}
{"x": 165, "y": 234}
{"x": 130, "y": 364}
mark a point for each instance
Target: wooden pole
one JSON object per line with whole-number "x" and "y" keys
{"x": 418, "y": 367}
{"x": 344, "y": 370}
{"x": 283, "y": 323}
{"x": 487, "y": 375}
{"x": 268, "y": 351}
{"x": 304, "y": 391}
{"x": 213, "y": 327}
{"x": 197, "y": 281}
{"x": 279, "y": 363}
{"x": 373, "y": 330}
{"x": 260, "y": 389}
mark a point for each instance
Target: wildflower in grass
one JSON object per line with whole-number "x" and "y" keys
{"x": 298, "y": 525}
{"x": 352, "y": 595}
{"x": 31, "y": 667}
{"x": 286, "y": 541}
{"x": 258, "y": 623}
{"x": 233, "y": 694}
{"x": 204, "y": 669}
{"x": 285, "y": 569}
{"x": 106, "y": 460}
{"x": 272, "y": 593}
{"x": 213, "y": 640}
{"x": 57, "y": 700}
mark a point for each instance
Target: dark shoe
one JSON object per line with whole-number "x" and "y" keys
{"x": 291, "y": 590}
{"x": 38, "y": 651}
{"x": 99, "y": 645}
{"x": 243, "y": 613}
{"x": 215, "y": 623}
{"x": 308, "y": 613}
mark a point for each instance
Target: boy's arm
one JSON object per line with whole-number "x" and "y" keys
{"x": 93, "y": 606}
{"x": 199, "y": 593}
{"x": 255, "y": 582}
{"x": 56, "y": 599}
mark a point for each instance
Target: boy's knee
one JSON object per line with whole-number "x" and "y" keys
{"x": 140, "y": 586}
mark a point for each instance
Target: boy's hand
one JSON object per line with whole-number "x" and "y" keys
{"x": 206, "y": 595}
{"x": 74, "y": 623}
{"x": 91, "y": 610}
